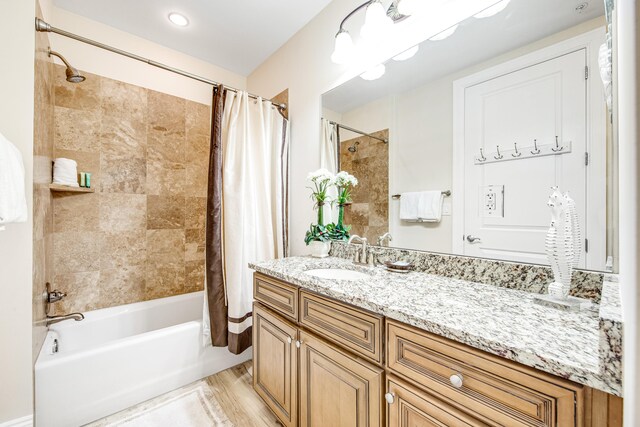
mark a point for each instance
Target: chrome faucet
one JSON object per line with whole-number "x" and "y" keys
{"x": 385, "y": 237}
{"x": 55, "y": 319}
{"x": 362, "y": 258}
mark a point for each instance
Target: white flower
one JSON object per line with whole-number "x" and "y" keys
{"x": 321, "y": 176}
{"x": 345, "y": 179}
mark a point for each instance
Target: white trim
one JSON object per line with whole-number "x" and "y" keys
{"x": 19, "y": 422}
{"x": 596, "y": 116}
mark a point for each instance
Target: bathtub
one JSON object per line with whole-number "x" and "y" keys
{"x": 118, "y": 357}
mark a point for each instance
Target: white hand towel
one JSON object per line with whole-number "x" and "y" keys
{"x": 422, "y": 206}
{"x": 13, "y": 202}
{"x": 65, "y": 172}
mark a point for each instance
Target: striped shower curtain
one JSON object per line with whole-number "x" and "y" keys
{"x": 246, "y": 208}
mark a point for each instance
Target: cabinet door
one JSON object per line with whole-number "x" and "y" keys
{"x": 411, "y": 407}
{"x": 275, "y": 364}
{"x": 336, "y": 389}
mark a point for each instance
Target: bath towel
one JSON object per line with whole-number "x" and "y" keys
{"x": 65, "y": 172}
{"x": 421, "y": 206}
{"x": 13, "y": 201}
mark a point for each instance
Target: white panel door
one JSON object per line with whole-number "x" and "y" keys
{"x": 538, "y": 103}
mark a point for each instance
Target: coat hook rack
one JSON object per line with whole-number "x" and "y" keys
{"x": 516, "y": 153}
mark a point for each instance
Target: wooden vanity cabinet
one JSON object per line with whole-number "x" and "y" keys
{"x": 319, "y": 362}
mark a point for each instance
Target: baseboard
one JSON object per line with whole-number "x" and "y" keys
{"x": 19, "y": 422}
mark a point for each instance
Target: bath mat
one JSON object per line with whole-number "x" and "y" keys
{"x": 191, "y": 406}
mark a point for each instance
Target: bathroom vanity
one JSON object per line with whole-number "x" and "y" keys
{"x": 419, "y": 349}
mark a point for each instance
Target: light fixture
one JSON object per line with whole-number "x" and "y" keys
{"x": 178, "y": 19}
{"x": 493, "y": 10}
{"x": 444, "y": 34}
{"x": 343, "y": 50}
{"x": 409, "y": 53}
{"x": 409, "y": 7}
{"x": 374, "y": 73}
{"x": 376, "y": 22}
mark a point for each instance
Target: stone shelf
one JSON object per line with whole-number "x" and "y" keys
{"x": 67, "y": 189}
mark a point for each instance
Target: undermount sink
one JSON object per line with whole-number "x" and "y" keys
{"x": 337, "y": 274}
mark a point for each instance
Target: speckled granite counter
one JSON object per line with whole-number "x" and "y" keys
{"x": 584, "y": 347}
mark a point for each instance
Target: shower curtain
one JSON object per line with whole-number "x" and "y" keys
{"x": 247, "y": 208}
{"x": 329, "y": 160}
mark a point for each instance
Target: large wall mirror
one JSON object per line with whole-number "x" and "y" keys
{"x": 491, "y": 114}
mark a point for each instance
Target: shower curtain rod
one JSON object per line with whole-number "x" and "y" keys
{"x": 43, "y": 26}
{"x": 386, "y": 141}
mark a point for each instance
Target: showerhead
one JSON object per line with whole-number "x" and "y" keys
{"x": 354, "y": 147}
{"x": 73, "y": 75}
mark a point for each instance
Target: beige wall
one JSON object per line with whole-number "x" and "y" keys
{"x": 141, "y": 235}
{"x": 16, "y": 242}
{"x": 101, "y": 62}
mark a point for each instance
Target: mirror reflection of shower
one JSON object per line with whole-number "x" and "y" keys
{"x": 73, "y": 75}
{"x": 354, "y": 147}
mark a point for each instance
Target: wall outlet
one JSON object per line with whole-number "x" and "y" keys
{"x": 492, "y": 201}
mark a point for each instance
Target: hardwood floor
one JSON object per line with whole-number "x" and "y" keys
{"x": 233, "y": 389}
{"x": 225, "y": 399}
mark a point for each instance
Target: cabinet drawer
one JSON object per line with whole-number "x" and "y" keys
{"x": 276, "y": 295}
{"x": 493, "y": 389}
{"x": 353, "y": 328}
{"x": 413, "y": 407}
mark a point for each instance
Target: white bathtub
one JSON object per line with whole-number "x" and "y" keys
{"x": 118, "y": 357}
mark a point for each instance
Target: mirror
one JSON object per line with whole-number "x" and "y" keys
{"x": 491, "y": 116}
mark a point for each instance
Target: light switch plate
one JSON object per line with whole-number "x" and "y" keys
{"x": 446, "y": 208}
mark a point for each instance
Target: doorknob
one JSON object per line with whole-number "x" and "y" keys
{"x": 390, "y": 398}
{"x": 473, "y": 239}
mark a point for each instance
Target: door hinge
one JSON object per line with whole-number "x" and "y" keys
{"x": 586, "y": 72}
{"x": 586, "y": 159}
{"x": 586, "y": 245}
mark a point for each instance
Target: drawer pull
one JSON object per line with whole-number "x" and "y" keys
{"x": 289, "y": 340}
{"x": 456, "y": 380}
{"x": 390, "y": 398}
{"x": 298, "y": 343}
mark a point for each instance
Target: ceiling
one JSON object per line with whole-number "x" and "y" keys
{"x": 237, "y": 35}
{"x": 475, "y": 41}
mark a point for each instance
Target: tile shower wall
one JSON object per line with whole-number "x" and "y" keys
{"x": 42, "y": 205}
{"x": 369, "y": 213}
{"x": 141, "y": 235}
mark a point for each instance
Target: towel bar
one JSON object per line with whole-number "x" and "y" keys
{"x": 397, "y": 196}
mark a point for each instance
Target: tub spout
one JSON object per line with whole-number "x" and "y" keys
{"x": 55, "y": 319}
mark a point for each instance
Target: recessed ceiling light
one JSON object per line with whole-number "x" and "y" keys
{"x": 178, "y": 19}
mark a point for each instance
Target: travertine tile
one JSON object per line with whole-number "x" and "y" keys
{"x": 76, "y": 251}
{"x": 77, "y": 129}
{"x": 195, "y": 212}
{"x": 84, "y": 96}
{"x": 358, "y": 213}
{"x": 82, "y": 289}
{"x": 165, "y": 212}
{"x": 166, "y": 111}
{"x": 197, "y": 177}
{"x": 76, "y": 212}
{"x": 118, "y": 249}
{"x": 122, "y": 212}
{"x": 123, "y": 100}
{"x": 194, "y": 246}
{"x": 123, "y": 175}
{"x": 378, "y": 214}
{"x": 123, "y": 285}
{"x": 165, "y": 246}
{"x": 194, "y": 276}
{"x": 165, "y": 179}
{"x": 123, "y": 137}
{"x": 164, "y": 279}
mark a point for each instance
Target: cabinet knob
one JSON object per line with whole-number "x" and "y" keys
{"x": 456, "y": 380}
{"x": 298, "y": 344}
{"x": 390, "y": 397}
{"x": 289, "y": 340}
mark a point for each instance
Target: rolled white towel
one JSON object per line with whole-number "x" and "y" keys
{"x": 65, "y": 172}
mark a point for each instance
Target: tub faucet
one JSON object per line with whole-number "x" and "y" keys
{"x": 55, "y": 319}
{"x": 362, "y": 257}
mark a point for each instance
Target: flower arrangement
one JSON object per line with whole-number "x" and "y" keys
{"x": 322, "y": 180}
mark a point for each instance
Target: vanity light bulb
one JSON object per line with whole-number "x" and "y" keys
{"x": 408, "y": 7}
{"x": 493, "y": 10}
{"x": 374, "y": 73}
{"x": 444, "y": 34}
{"x": 376, "y": 22}
{"x": 343, "y": 50}
{"x": 409, "y": 53}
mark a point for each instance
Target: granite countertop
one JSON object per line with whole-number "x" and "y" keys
{"x": 584, "y": 347}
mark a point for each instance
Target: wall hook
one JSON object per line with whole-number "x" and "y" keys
{"x": 517, "y": 153}
{"x": 482, "y": 158}
{"x": 499, "y": 156}
{"x": 536, "y": 150}
{"x": 557, "y": 147}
